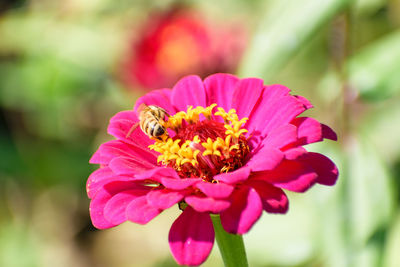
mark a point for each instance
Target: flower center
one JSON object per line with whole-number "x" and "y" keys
{"x": 203, "y": 143}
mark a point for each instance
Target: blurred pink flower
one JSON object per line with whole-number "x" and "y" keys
{"x": 180, "y": 42}
{"x": 233, "y": 159}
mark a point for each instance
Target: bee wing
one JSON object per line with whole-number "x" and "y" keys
{"x": 166, "y": 113}
{"x": 162, "y": 112}
{"x": 141, "y": 107}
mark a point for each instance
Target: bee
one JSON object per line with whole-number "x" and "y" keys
{"x": 151, "y": 121}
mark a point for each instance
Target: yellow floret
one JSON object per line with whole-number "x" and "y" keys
{"x": 221, "y": 112}
{"x": 196, "y": 139}
{"x": 208, "y": 146}
{"x": 191, "y": 115}
{"x": 228, "y": 139}
{"x": 172, "y": 151}
{"x": 175, "y": 146}
{"x": 207, "y": 112}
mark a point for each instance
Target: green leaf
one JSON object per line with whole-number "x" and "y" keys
{"x": 368, "y": 6}
{"x": 354, "y": 220}
{"x": 392, "y": 255}
{"x": 380, "y": 126}
{"x": 374, "y": 70}
{"x": 284, "y": 29}
{"x": 17, "y": 246}
{"x": 370, "y": 190}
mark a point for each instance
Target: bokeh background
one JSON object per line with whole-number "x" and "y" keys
{"x": 67, "y": 66}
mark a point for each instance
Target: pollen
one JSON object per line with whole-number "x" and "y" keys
{"x": 203, "y": 146}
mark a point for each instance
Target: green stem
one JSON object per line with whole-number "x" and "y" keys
{"x": 230, "y": 246}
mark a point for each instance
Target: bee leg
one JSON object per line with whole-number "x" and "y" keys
{"x": 134, "y": 126}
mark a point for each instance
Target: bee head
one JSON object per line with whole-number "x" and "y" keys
{"x": 159, "y": 131}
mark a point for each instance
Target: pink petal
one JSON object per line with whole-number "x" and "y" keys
{"x": 281, "y": 136}
{"x": 274, "y": 200}
{"x": 282, "y": 112}
{"x": 164, "y": 198}
{"x": 265, "y": 158}
{"x": 121, "y": 124}
{"x": 96, "y": 214}
{"x": 294, "y": 153}
{"x": 307, "y": 104}
{"x": 95, "y": 178}
{"x": 218, "y": 190}
{"x": 291, "y": 175}
{"x": 244, "y": 211}
{"x": 117, "y": 148}
{"x": 129, "y": 115}
{"x": 99, "y": 178}
{"x": 207, "y": 204}
{"x": 156, "y": 174}
{"x": 246, "y": 95}
{"x": 271, "y": 95}
{"x": 268, "y": 117}
{"x": 328, "y": 133}
{"x": 179, "y": 184}
{"x": 191, "y": 237}
{"x": 129, "y": 166}
{"x": 301, "y": 184}
{"x": 220, "y": 88}
{"x": 189, "y": 91}
{"x": 102, "y": 197}
{"x": 325, "y": 168}
{"x": 98, "y": 158}
{"x": 274, "y": 91}
{"x": 103, "y": 157}
{"x": 311, "y": 131}
{"x": 161, "y": 98}
{"x": 234, "y": 177}
{"x": 139, "y": 211}
{"x": 114, "y": 210}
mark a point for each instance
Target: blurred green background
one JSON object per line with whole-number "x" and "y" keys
{"x": 59, "y": 85}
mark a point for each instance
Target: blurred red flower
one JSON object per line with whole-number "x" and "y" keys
{"x": 180, "y": 42}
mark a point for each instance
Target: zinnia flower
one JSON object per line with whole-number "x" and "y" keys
{"x": 179, "y": 42}
{"x": 233, "y": 146}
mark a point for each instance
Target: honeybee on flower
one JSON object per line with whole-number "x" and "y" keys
{"x": 151, "y": 121}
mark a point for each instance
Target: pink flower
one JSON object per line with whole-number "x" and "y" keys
{"x": 233, "y": 147}
{"x": 179, "y": 42}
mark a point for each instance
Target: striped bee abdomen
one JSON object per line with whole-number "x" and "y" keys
{"x": 151, "y": 121}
